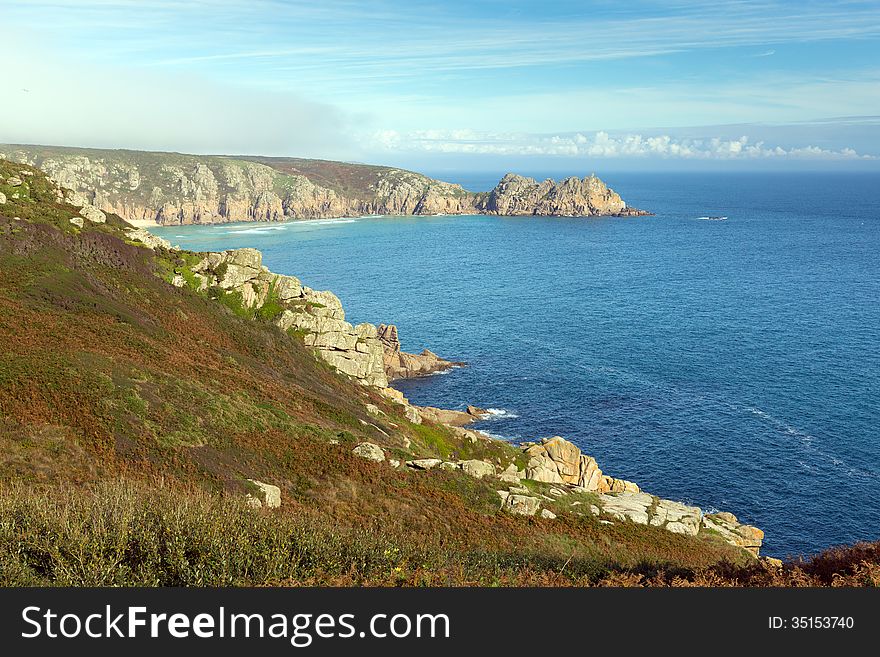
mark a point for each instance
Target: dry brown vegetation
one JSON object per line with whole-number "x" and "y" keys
{"x": 132, "y": 413}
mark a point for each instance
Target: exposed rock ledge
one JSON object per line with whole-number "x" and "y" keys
{"x": 567, "y": 475}
{"x": 316, "y": 316}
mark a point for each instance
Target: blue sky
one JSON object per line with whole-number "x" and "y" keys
{"x": 624, "y": 84}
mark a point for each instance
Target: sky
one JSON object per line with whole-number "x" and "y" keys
{"x": 643, "y": 84}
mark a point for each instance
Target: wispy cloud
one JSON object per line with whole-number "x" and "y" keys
{"x": 599, "y": 145}
{"x": 290, "y": 75}
{"x": 343, "y": 44}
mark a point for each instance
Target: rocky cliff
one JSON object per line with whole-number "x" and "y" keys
{"x": 371, "y": 356}
{"x": 171, "y": 188}
{"x": 239, "y": 279}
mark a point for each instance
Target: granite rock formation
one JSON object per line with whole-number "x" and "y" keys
{"x": 558, "y": 461}
{"x": 572, "y": 197}
{"x": 170, "y": 188}
{"x": 401, "y": 365}
{"x": 363, "y": 352}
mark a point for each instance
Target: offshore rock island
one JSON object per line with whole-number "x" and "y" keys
{"x": 174, "y": 189}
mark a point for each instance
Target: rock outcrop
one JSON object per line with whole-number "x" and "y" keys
{"x": 572, "y": 197}
{"x": 401, "y": 365}
{"x": 264, "y": 495}
{"x": 558, "y": 461}
{"x": 370, "y": 451}
{"x": 170, "y": 188}
{"x": 450, "y": 417}
{"x": 363, "y": 352}
{"x": 316, "y": 316}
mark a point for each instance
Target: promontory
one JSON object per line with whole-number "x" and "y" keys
{"x": 150, "y": 188}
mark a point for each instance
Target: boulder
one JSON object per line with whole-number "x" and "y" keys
{"x": 558, "y": 461}
{"x": 147, "y": 238}
{"x": 547, "y": 513}
{"x": 511, "y": 475}
{"x": 412, "y": 414}
{"x": 93, "y": 214}
{"x": 478, "y": 469}
{"x": 77, "y": 221}
{"x": 370, "y": 451}
{"x": 445, "y": 416}
{"x": 266, "y": 495}
{"x": 2, "y": 198}
{"x": 423, "y": 464}
{"x": 523, "y": 505}
{"x": 628, "y": 506}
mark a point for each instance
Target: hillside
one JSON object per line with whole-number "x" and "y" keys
{"x": 152, "y": 419}
{"x": 173, "y": 188}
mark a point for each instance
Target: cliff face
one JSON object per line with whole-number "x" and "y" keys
{"x": 362, "y": 352}
{"x": 170, "y": 188}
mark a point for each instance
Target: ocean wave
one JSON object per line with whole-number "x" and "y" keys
{"x": 258, "y": 230}
{"x": 498, "y": 436}
{"x": 448, "y": 370}
{"x": 499, "y": 413}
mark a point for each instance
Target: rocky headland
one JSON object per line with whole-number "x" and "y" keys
{"x": 169, "y": 188}
{"x": 555, "y": 475}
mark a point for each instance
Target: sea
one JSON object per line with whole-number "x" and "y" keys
{"x": 724, "y": 352}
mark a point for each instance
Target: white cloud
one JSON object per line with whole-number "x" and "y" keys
{"x": 599, "y": 144}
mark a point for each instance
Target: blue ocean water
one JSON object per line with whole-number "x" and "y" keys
{"x": 731, "y": 364}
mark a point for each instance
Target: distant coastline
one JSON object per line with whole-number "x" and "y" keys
{"x": 150, "y": 189}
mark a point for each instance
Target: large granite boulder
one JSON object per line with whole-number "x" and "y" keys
{"x": 93, "y": 214}
{"x": 477, "y": 468}
{"x": 523, "y": 505}
{"x": 558, "y": 461}
{"x": 370, "y": 451}
{"x": 264, "y": 494}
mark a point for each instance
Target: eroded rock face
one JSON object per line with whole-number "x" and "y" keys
{"x": 558, "y": 461}
{"x": 401, "y": 365}
{"x": 188, "y": 189}
{"x": 317, "y": 316}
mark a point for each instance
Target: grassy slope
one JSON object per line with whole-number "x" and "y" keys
{"x": 353, "y": 181}
{"x": 132, "y": 413}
